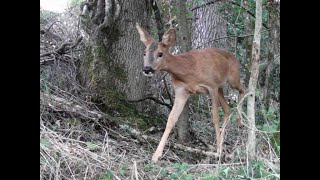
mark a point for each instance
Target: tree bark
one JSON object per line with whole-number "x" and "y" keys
{"x": 113, "y": 61}
{"x": 251, "y": 145}
{"x": 185, "y": 44}
{"x": 272, "y": 48}
{"x": 248, "y": 44}
{"x": 208, "y": 25}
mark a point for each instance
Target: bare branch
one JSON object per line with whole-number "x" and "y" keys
{"x": 205, "y": 4}
{"x": 232, "y": 36}
{"x": 158, "y": 19}
{"x": 63, "y": 48}
{"x": 100, "y": 12}
{"x": 145, "y": 138}
{"x": 167, "y": 89}
{"x": 231, "y": 2}
{"x": 61, "y": 104}
{"x": 153, "y": 99}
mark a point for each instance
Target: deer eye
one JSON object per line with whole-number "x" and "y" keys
{"x": 144, "y": 54}
{"x": 160, "y": 54}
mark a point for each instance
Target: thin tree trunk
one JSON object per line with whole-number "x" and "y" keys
{"x": 253, "y": 81}
{"x": 248, "y": 44}
{"x": 185, "y": 43}
{"x": 271, "y": 51}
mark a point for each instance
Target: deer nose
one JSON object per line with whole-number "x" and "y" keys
{"x": 147, "y": 69}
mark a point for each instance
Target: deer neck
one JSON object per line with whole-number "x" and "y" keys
{"x": 179, "y": 66}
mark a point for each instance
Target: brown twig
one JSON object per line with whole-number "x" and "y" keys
{"x": 47, "y": 30}
{"x": 153, "y": 99}
{"x": 167, "y": 89}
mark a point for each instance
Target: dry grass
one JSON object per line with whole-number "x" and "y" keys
{"x": 75, "y": 147}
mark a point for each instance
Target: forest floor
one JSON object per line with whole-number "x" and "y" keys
{"x": 77, "y": 142}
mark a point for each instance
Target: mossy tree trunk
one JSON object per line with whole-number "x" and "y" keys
{"x": 113, "y": 59}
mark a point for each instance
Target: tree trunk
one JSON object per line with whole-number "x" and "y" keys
{"x": 272, "y": 49}
{"x": 113, "y": 61}
{"x": 248, "y": 43}
{"x": 207, "y": 25}
{"x": 185, "y": 44}
{"x": 253, "y": 81}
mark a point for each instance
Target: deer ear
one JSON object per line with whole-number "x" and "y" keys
{"x": 169, "y": 37}
{"x": 145, "y": 37}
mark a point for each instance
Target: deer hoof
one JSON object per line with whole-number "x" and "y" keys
{"x": 155, "y": 157}
{"x": 240, "y": 124}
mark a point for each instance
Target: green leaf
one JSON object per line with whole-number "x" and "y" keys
{"x": 91, "y": 146}
{"x": 45, "y": 142}
{"x": 123, "y": 169}
{"x": 187, "y": 177}
{"x": 215, "y": 178}
{"x": 176, "y": 165}
{"x": 220, "y": 111}
{"x": 184, "y": 166}
{"x": 167, "y": 101}
{"x": 149, "y": 167}
{"x": 107, "y": 176}
{"x": 189, "y": 14}
{"x": 278, "y": 148}
{"x": 258, "y": 92}
{"x": 208, "y": 177}
{"x": 269, "y": 128}
{"x": 163, "y": 173}
{"x": 173, "y": 176}
{"x": 225, "y": 171}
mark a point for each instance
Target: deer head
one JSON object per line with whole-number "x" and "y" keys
{"x": 155, "y": 54}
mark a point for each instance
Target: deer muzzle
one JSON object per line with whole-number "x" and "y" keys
{"x": 148, "y": 71}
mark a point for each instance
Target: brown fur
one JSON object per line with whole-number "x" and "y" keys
{"x": 203, "y": 71}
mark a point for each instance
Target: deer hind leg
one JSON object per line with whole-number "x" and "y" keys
{"x": 215, "y": 102}
{"x": 226, "y": 110}
{"x": 179, "y": 103}
{"x": 234, "y": 81}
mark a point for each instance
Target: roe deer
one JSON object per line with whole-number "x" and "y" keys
{"x": 203, "y": 71}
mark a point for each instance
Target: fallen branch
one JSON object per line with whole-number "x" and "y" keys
{"x": 145, "y": 138}
{"x": 63, "y": 48}
{"x": 46, "y": 60}
{"x": 153, "y": 99}
{"x": 60, "y": 104}
{"x": 167, "y": 89}
{"x": 52, "y": 25}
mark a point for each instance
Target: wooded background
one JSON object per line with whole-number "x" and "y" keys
{"x": 100, "y": 118}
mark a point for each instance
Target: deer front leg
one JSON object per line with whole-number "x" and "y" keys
{"x": 179, "y": 102}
